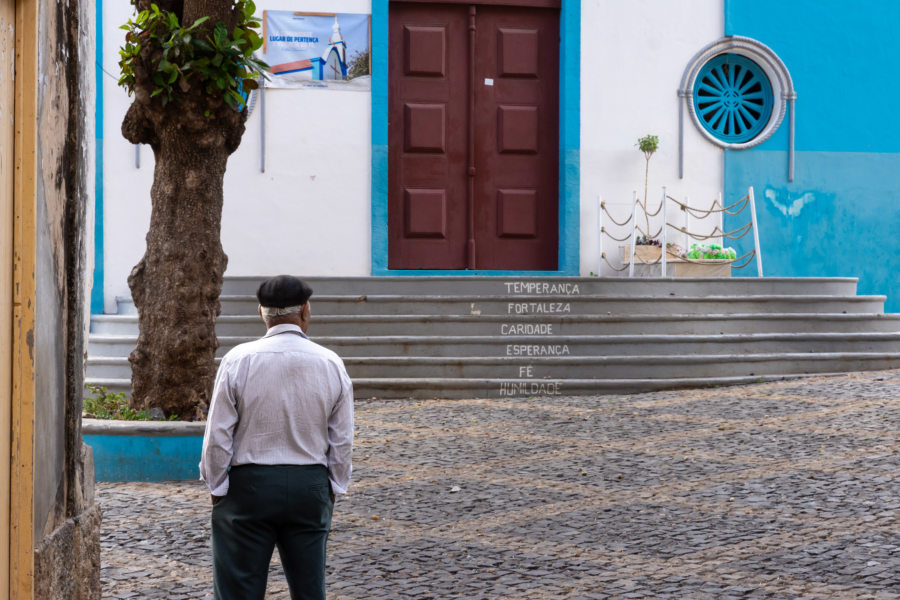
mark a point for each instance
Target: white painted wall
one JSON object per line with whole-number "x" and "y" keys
{"x": 633, "y": 55}
{"x": 308, "y": 213}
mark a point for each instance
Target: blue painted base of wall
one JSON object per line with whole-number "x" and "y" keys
{"x": 838, "y": 218}
{"x": 145, "y": 457}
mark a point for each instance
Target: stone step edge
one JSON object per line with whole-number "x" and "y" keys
{"x": 374, "y": 340}
{"x": 133, "y": 318}
{"x": 650, "y": 360}
{"x": 501, "y": 278}
{"x": 556, "y": 297}
{"x": 610, "y": 385}
{"x": 147, "y": 428}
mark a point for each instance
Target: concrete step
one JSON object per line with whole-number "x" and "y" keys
{"x": 457, "y": 337}
{"x": 561, "y": 305}
{"x": 615, "y": 286}
{"x": 427, "y": 388}
{"x": 369, "y": 325}
{"x": 452, "y": 347}
{"x": 455, "y": 348}
{"x": 505, "y": 388}
{"x": 111, "y": 367}
{"x": 498, "y": 385}
{"x": 552, "y": 345}
{"x": 619, "y": 367}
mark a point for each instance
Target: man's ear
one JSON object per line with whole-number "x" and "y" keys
{"x": 304, "y": 317}
{"x": 259, "y": 311}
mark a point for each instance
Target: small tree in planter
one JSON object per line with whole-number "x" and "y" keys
{"x": 648, "y": 145}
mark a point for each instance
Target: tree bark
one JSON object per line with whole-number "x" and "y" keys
{"x": 177, "y": 283}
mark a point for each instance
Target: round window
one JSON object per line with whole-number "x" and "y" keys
{"x": 732, "y": 98}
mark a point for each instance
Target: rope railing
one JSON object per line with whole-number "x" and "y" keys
{"x": 622, "y": 224}
{"x": 712, "y": 208}
{"x": 610, "y": 265}
{"x": 650, "y": 214}
{"x": 717, "y": 232}
{"x": 614, "y": 238}
{"x": 665, "y": 253}
{"x": 751, "y": 254}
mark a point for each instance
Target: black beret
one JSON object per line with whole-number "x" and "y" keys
{"x": 283, "y": 291}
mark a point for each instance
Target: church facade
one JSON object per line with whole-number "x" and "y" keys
{"x": 492, "y": 131}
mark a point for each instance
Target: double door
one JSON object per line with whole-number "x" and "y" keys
{"x": 473, "y": 137}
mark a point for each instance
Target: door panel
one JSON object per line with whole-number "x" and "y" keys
{"x": 426, "y": 138}
{"x": 517, "y": 122}
{"x": 505, "y": 124}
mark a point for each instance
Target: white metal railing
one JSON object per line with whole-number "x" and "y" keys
{"x": 691, "y": 215}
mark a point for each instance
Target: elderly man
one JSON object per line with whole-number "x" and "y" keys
{"x": 277, "y": 448}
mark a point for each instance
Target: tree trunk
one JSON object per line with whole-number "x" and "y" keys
{"x": 177, "y": 283}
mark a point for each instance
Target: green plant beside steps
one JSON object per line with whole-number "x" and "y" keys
{"x": 103, "y": 404}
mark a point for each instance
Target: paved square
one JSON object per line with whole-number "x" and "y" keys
{"x": 776, "y": 490}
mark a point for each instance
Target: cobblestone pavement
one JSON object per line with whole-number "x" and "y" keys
{"x": 776, "y": 490}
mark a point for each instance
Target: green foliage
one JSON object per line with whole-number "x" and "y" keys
{"x": 359, "y": 65}
{"x": 179, "y": 58}
{"x": 643, "y": 240}
{"x": 648, "y": 145}
{"x": 711, "y": 251}
{"x": 112, "y": 405}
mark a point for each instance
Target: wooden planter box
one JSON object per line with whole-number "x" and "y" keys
{"x": 707, "y": 267}
{"x": 647, "y": 261}
{"x": 647, "y": 254}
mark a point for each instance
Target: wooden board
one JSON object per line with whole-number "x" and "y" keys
{"x": 24, "y": 254}
{"x": 7, "y": 172}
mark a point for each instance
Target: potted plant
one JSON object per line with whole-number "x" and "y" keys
{"x": 646, "y": 248}
{"x": 711, "y": 252}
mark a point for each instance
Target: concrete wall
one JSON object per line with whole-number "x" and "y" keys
{"x": 307, "y": 213}
{"x": 310, "y": 211}
{"x": 633, "y": 57}
{"x": 66, "y": 518}
{"x": 839, "y": 217}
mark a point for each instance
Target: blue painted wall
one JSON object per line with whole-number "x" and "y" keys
{"x": 145, "y": 457}
{"x": 841, "y": 214}
{"x": 98, "y": 280}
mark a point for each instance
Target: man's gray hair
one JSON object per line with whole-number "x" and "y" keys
{"x": 271, "y": 312}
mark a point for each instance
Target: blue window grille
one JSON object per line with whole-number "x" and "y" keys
{"x": 733, "y": 98}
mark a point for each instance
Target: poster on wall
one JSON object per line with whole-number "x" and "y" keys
{"x": 316, "y": 50}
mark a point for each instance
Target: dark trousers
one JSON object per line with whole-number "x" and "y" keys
{"x": 285, "y": 505}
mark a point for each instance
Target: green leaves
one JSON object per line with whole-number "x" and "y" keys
{"x": 648, "y": 144}
{"x": 178, "y": 59}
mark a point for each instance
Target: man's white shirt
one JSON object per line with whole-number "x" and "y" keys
{"x": 279, "y": 400}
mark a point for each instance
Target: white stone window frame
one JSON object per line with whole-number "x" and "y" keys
{"x": 783, "y": 92}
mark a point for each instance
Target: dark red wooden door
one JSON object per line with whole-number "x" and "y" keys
{"x": 473, "y": 130}
{"x": 426, "y": 137}
{"x": 517, "y": 149}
